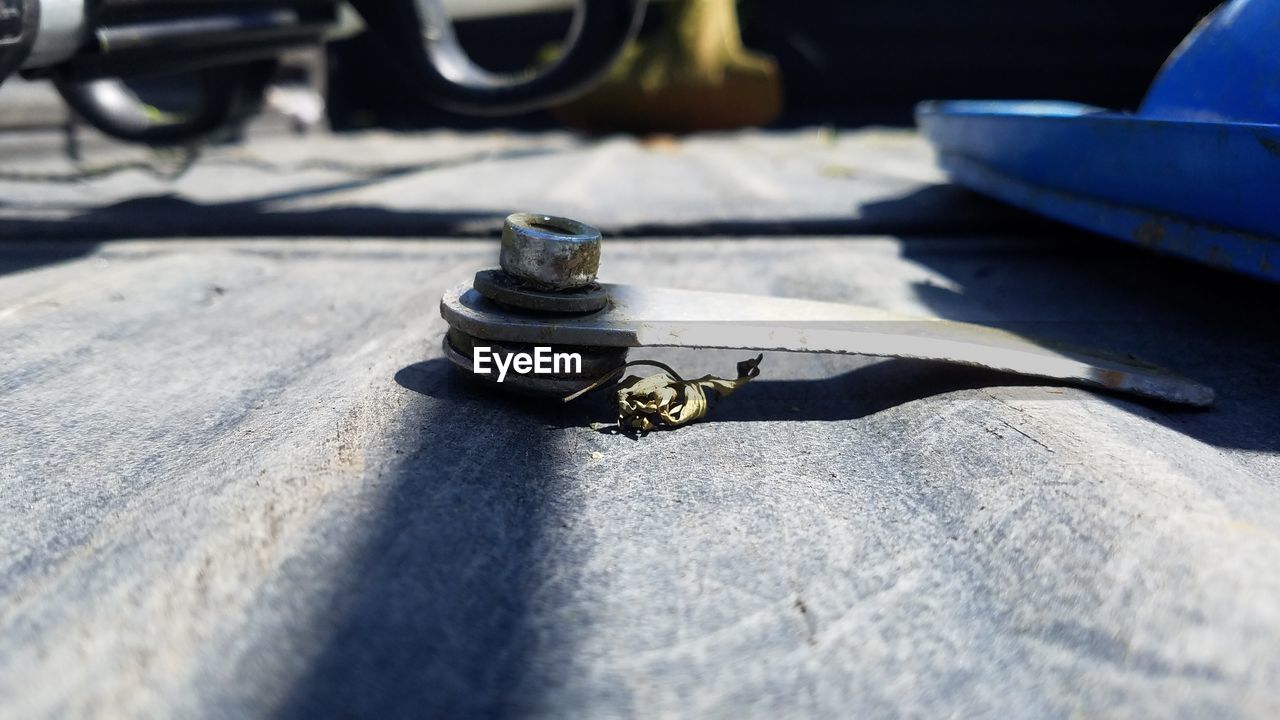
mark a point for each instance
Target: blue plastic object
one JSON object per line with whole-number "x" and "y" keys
{"x": 1195, "y": 172}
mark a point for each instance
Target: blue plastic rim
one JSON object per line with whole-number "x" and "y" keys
{"x": 1196, "y": 172}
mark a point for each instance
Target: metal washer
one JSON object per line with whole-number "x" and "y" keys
{"x": 502, "y": 288}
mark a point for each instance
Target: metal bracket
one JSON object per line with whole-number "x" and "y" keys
{"x": 639, "y": 316}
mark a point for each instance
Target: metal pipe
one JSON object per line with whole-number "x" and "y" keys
{"x": 60, "y": 32}
{"x": 203, "y": 30}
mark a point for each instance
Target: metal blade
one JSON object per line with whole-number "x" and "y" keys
{"x": 639, "y": 316}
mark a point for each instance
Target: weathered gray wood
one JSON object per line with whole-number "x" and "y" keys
{"x": 465, "y": 183}
{"x": 236, "y": 477}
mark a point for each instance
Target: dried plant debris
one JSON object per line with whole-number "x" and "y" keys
{"x": 666, "y": 400}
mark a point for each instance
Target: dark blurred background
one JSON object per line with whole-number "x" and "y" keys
{"x": 846, "y": 63}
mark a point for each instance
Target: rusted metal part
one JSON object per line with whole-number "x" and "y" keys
{"x": 550, "y": 253}
{"x": 643, "y": 316}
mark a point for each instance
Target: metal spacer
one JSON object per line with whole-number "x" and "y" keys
{"x": 550, "y": 253}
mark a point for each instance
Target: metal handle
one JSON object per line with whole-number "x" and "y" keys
{"x": 422, "y": 33}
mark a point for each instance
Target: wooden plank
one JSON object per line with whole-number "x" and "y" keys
{"x": 449, "y": 183}
{"x": 238, "y": 479}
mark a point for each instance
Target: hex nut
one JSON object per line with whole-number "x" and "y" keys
{"x": 550, "y": 253}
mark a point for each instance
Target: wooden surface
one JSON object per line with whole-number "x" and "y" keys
{"x": 237, "y": 478}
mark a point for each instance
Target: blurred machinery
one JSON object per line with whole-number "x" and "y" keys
{"x": 840, "y": 62}
{"x": 228, "y": 47}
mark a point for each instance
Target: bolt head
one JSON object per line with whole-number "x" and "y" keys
{"x": 550, "y": 253}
